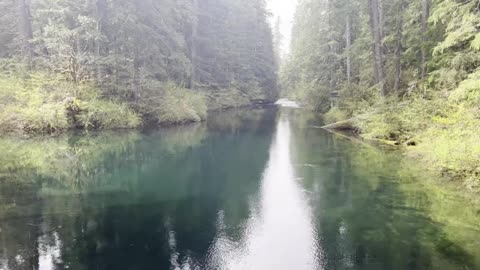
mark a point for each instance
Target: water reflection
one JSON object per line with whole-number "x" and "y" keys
{"x": 49, "y": 251}
{"x": 247, "y": 190}
{"x": 280, "y": 233}
{"x": 378, "y": 210}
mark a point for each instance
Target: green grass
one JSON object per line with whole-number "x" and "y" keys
{"x": 439, "y": 127}
{"x": 451, "y": 145}
{"x": 102, "y": 114}
{"x": 335, "y": 115}
{"x": 174, "y": 105}
{"x": 444, "y": 134}
{"x": 38, "y": 103}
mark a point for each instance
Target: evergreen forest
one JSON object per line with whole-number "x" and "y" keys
{"x": 104, "y": 64}
{"x": 394, "y": 71}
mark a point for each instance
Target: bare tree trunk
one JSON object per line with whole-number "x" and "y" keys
{"x": 332, "y": 49}
{"x": 136, "y": 75}
{"x": 398, "y": 53}
{"x": 25, "y": 30}
{"x": 377, "y": 44}
{"x": 348, "y": 36}
{"x": 381, "y": 18}
{"x": 101, "y": 12}
{"x": 193, "y": 47}
{"x": 425, "y": 15}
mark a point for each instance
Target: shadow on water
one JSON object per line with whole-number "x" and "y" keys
{"x": 250, "y": 189}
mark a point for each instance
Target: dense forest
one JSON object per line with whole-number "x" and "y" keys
{"x": 94, "y": 64}
{"x": 395, "y": 71}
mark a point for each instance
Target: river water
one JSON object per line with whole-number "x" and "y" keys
{"x": 249, "y": 189}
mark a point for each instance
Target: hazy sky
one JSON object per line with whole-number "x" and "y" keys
{"x": 285, "y": 9}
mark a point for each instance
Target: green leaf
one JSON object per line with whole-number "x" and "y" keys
{"x": 475, "y": 44}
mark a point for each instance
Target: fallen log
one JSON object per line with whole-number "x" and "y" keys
{"x": 348, "y": 124}
{"x": 342, "y": 125}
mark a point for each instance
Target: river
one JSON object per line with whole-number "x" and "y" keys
{"x": 250, "y": 189}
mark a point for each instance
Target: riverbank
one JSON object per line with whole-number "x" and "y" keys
{"x": 37, "y": 103}
{"x": 442, "y": 135}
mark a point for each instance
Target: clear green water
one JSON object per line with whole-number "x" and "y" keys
{"x": 253, "y": 189}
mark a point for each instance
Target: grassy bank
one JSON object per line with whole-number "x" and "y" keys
{"x": 440, "y": 130}
{"x": 40, "y": 103}
{"x": 35, "y": 103}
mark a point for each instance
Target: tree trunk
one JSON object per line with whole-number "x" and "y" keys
{"x": 398, "y": 52}
{"x": 25, "y": 30}
{"x": 348, "y": 37}
{"x": 101, "y": 13}
{"x": 193, "y": 46}
{"x": 381, "y": 18}
{"x": 425, "y": 15}
{"x": 377, "y": 44}
{"x": 136, "y": 75}
{"x": 332, "y": 49}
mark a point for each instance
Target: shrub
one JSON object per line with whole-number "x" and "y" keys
{"x": 175, "y": 105}
{"x": 400, "y": 121}
{"x": 311, "y": 96}
{"x": 468, "y": 91}
{"x": 451, "y": 145}
{"x": 100, "y": 114}
{"x": 37, "y": 103}
{"x": 30, "y": 106}
{"x": 227, "y": 98}
{"x": 335, "y": 115}
{"x": 444, "y": 130}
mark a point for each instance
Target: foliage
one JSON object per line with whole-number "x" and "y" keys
{"x": 468, "y": 92}
{"x": 30, "y": 106}
{"x": 310, "y": 96}
{"x": 101, "y": 114}
{"x": 134, "y": 53}
{"x": 227, "y": 98}
{"x": 334, "y": 115}
{"x": 399, "y": 121}
{"x": 451, "y": 145}
{"x": 175, "y": 105}
{"x": 428, "y": 54}
{"x": 43, "y": 104}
